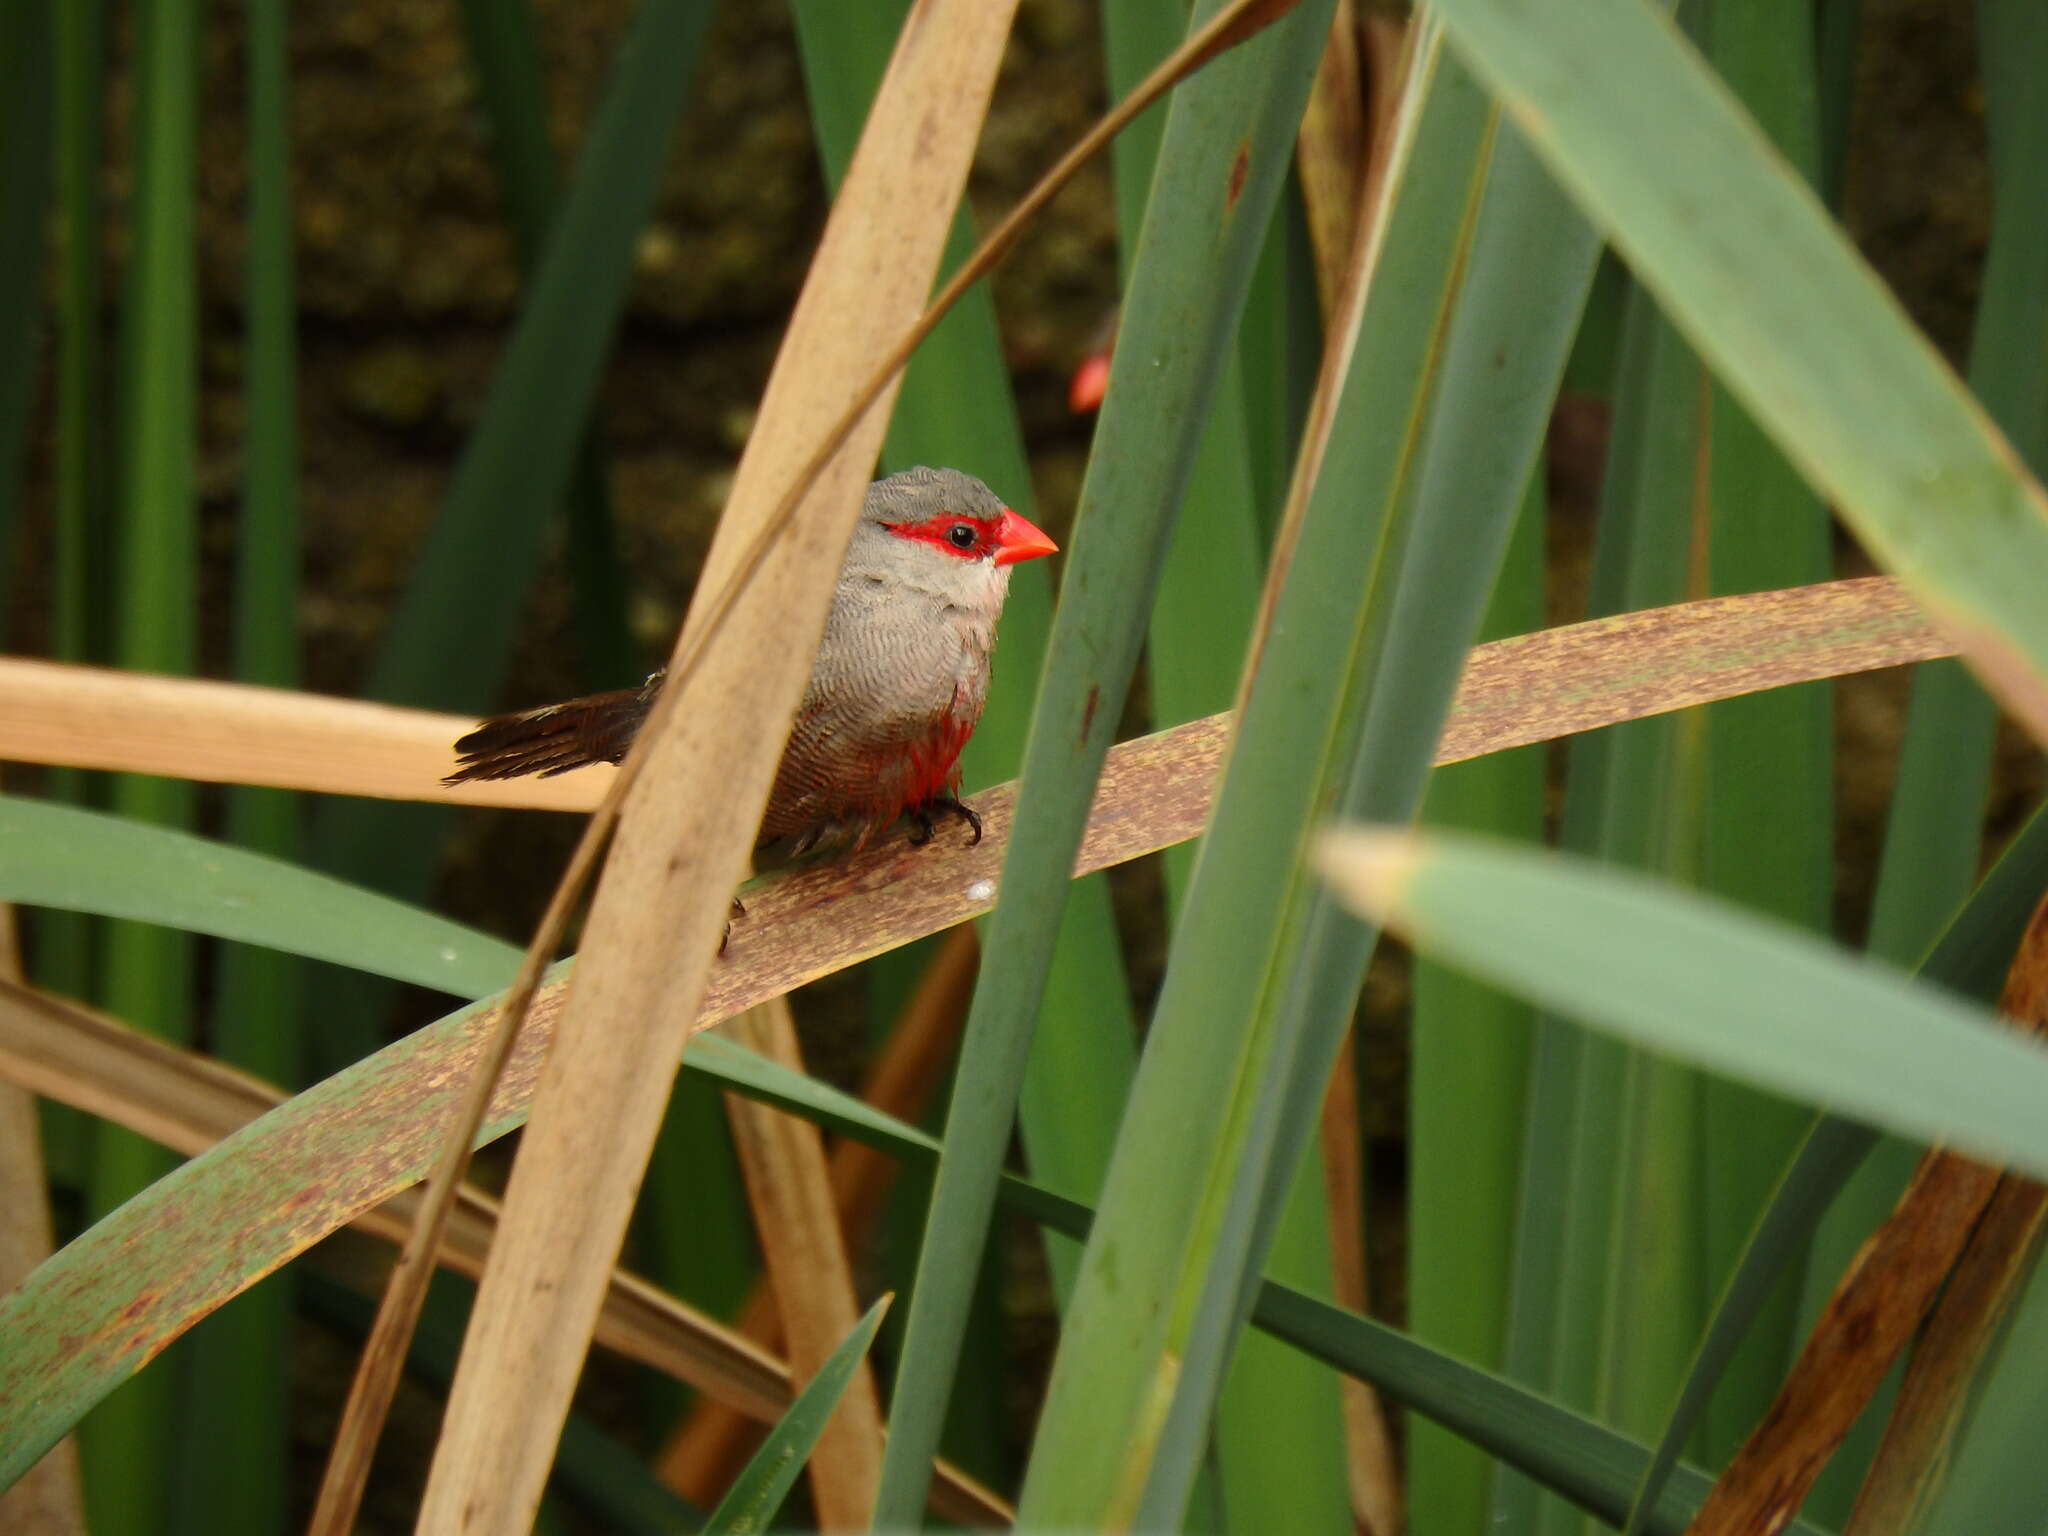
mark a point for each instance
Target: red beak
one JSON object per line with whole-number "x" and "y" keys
{"x": 1018, "y": 540}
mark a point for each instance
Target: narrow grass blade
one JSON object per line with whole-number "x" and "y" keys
{"x": 1598, "y": 1149}
{"x": 1837, "y": 25}
{"x": 1175, "y": 325}
{"x": 1693, "y": 977}
{"x": 1530, "y": 265}
{"x": 753, "y": 1500}
{"x": 1468, "y": 1082}
{"x": 1743, "y": 257}
{"x": 236, "y": 1438}
{"x": 128, "y": 1450}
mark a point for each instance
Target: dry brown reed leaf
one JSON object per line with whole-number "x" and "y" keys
{"x": 1915, "y": 1452}
{"x": 796, "y": 1217}
{"x": 1342, "y": 138}
{"x": 659, "y": 909}
{"x": 1870, "y": 1317}
{"x": 1330, "y": 154}
{"x": 239, "y": 733}
{"x": 1371, "y": 1468}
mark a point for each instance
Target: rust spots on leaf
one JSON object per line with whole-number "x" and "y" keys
{"x": 1088, "y": 713}
{"x": 1240, "y": 168}
{"x": 1560, "y": 682}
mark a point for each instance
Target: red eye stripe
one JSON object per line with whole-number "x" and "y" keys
{"x": 937, "y": 531}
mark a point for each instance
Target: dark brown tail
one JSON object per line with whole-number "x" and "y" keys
{"x": 556, "y": 739}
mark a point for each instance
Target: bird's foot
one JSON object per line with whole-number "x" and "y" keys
{"x": 739, "y": 909}
{"x": 923, "y": 824}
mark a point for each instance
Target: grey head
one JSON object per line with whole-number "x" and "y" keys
{"x": 918, "y": 495}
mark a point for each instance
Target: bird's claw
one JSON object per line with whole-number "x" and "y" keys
{"x": 739, "y": 909}
{"x": 924, "y": 826}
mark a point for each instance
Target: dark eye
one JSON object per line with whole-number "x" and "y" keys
{"x": 962, "y": 535}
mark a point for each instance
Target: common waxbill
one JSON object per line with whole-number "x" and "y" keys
{"x": 895, "y": 691}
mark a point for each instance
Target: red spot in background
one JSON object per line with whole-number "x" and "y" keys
{"x": 1239, "y": 169}
{"x": 1091, "y": 380}
{"x": 1089, "y": 384}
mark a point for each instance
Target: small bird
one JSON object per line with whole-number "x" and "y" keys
{"x": 895, "y": 691}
